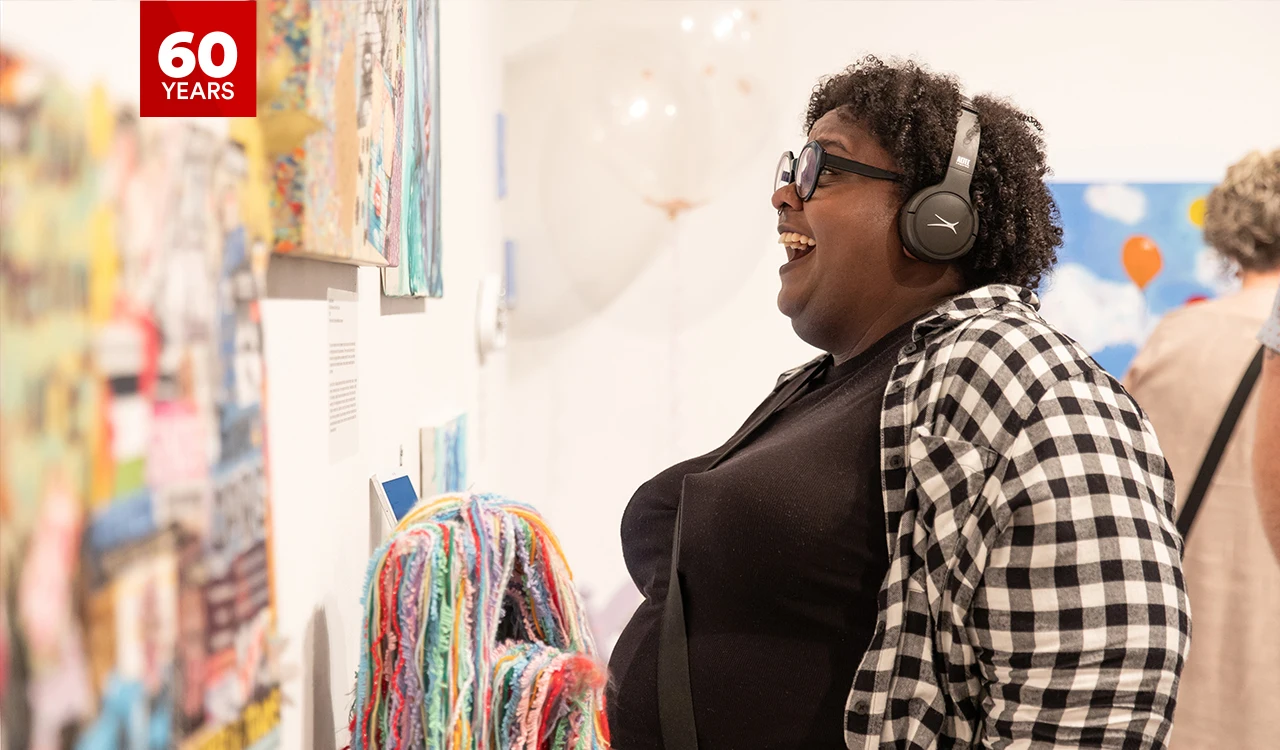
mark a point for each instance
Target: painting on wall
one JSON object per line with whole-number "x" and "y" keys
{"x": 1131, "y": 253}
{"x": 310, "y": 85}
{"x": 416, "y": 228}
{"x": 443, "y": 464}
{"x": 317, "y": 180}
{"x": 379, "y": 82}
{"x": 135, "y": 559}
{"x": 349, "y": 104}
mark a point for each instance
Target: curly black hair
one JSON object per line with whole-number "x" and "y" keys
{"x": 912, "y": 112}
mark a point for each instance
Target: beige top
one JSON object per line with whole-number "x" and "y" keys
{"x": 1183, "y": 378}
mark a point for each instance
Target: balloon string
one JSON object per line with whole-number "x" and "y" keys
{"x": 673, "y": 207}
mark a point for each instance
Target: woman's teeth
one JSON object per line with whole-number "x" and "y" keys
{"x": 796, "y": 243}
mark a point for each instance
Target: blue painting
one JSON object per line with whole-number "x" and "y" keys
{"x": 1131, "y": 253}
{"x": 443, "y": 464}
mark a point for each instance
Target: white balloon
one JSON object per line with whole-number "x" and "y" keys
{"x": 634, "y": 119}
{"x": 707, "y": 54}
{"x": 582, "y": 235}
{"x": 645, "y": 115}
{"x": 602, "y": 234}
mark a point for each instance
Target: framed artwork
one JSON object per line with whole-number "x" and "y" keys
{"x": 443, "y": 460}
{"x": 349, "y": 110}
{"x": 1131, "y": 253}
{"x": 416, "y": 185}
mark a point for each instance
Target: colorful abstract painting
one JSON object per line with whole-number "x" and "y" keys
{"x": 329, "y": 182}
{"x": 380, "y": 46}
{"x": 137, "y": 604}
{"x": 416, "y": 182}
{"x": 1132, "y": 252}
{"x": 51, "y": 237}
{"x": 313, "y": 76}
{"x": 349, "y": 103}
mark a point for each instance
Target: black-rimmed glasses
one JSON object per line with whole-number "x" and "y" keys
{"x": 813, "y": 159}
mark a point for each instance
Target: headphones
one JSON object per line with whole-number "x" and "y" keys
{"x": 939, "y": 224}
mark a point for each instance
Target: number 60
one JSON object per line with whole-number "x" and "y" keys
{"x": 170, "y": 52}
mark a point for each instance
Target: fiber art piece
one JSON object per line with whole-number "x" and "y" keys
{"x": 474, "y": 636}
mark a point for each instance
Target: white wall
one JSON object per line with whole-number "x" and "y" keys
{"x": 415, "y": 368}
{"x": 1148, "y": 91}
{"x": 417, "y": 359}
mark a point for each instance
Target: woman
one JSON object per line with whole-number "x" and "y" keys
{"x": 954, "y": 528}
{"x": 1185, "y": 376}
{"x": 1266, "y": 446}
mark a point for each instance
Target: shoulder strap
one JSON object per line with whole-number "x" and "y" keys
{"x": 1209, "y": 466}
{"x": 675, "y": 693}
{"x": 794, "y": 371}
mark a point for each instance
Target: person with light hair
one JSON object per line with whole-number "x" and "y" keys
{"x": 1266, "y": 446}
{"x": 1193, "y": 375}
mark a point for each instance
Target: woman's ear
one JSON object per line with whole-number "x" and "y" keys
{"x": 907, "y": 253}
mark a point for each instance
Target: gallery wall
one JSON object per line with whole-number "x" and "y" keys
{"x": 417, "y": 359}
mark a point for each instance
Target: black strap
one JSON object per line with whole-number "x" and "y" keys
{"x": 1209, "y": 466}
{"x": 675, "y": 693}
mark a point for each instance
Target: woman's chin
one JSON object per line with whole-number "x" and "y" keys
{"x": 792, "y": 297}
{"x": 788, "y": 305}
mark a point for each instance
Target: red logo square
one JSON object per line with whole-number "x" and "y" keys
{"x": 199, "y": 58}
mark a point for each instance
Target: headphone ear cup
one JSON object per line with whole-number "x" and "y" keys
{"x": 937, "y": 226}
{"x": 907, "y": 230}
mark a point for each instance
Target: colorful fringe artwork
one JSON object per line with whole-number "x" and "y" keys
{"x": 475, "y": 637}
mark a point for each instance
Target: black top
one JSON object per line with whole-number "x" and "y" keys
{"x": 782, "y": 555}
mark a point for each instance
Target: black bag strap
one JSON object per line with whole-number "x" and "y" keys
{"x": 1213, "y": 456}
{"x": 675, "y": 693}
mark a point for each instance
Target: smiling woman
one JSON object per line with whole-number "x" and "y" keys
{"x": 916, "y": 539}
{"x": 871, "y": 124}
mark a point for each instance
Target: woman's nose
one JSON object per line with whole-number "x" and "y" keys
{"x": 786, "y": 196}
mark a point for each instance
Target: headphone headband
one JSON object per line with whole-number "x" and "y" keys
{"x": 939, "y": 223}
{"x": 964, "y": 154}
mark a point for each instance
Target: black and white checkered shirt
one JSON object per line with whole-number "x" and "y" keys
{"x": 1035, "y": 593}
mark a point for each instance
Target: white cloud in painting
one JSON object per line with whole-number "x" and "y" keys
{"x": 1120, "y": 202}
{"x": 1216, "y": 272}
{"x": 1096, "y": 312}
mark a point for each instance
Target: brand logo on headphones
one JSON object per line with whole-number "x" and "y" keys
{"x": 948, "y": 224}
{"x": 962, "y": 161}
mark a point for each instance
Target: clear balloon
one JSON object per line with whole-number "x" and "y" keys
{"x": 677, "y": 98}
{"x": 729, "y": 45}
{"x": 583, "y": 236}
{"x": 638, "y": 113}
{"x": 647, "y": 118}
{"x": 602, "y": 237}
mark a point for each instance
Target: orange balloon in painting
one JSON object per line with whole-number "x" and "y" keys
{"x": 1141, "y": 260}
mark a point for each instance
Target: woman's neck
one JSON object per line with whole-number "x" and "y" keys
{"x": 1252, "y": 279}
{"x": 892, "y": 316}
{"x": 914, "y": 290}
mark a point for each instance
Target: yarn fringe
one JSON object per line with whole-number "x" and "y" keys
{"x": 475, "y": 637}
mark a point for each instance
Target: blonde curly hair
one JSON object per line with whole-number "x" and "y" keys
{"x": 1242, "y": 214}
